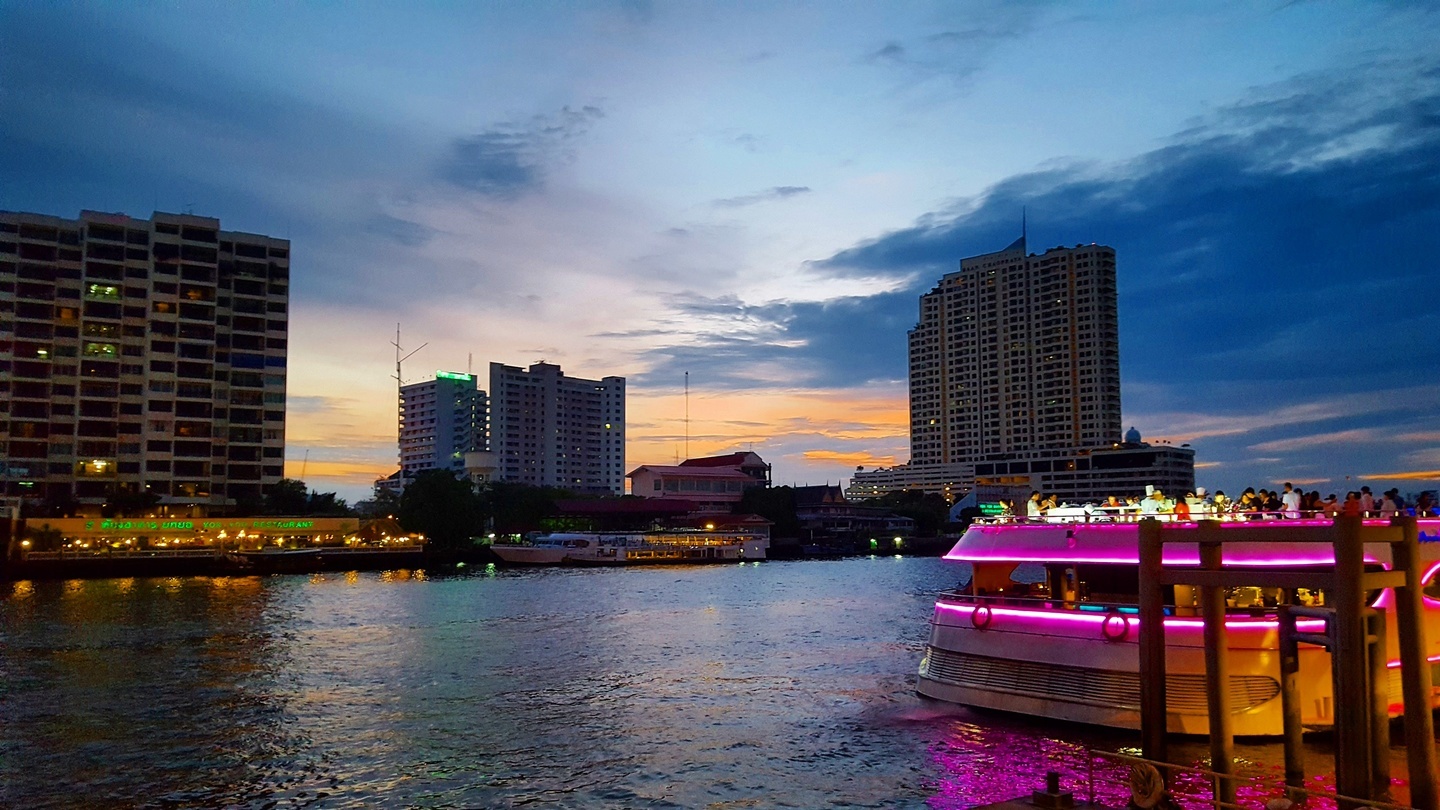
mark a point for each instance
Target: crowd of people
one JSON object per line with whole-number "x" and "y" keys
{"x": 1288, "y": 503}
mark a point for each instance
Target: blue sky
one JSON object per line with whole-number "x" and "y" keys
{"x": 758, "y": 193}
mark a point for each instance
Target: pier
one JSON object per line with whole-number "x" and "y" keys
{"x": 1353, "y": 633}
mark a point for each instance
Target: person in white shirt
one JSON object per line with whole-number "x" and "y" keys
{"x": 1290, "y": 501}
{"x": 1153, "y": 505}
{"x": 1388, "y": 507}
{"x": 1032, "y": 508}
{"x": 1367, "y": 502}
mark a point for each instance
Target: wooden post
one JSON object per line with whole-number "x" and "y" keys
{"x": 1378, "y": 655}
{"x": 1154, "y": 716}
{"x": 1290, "y": 706}
{"x": 1350, "y": 666}
{"x": 1415, "y": 671}
{"x": 1217, "y": 674}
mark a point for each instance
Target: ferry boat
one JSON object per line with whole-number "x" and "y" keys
{"x": 1046, "y": 624}
{"x": 647, "y": 548}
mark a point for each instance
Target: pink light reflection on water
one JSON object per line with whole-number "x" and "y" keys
{"x": 979, "y": 763}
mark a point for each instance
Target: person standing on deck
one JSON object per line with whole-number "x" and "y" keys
{"x": 1367, "y": 502}
{"x": 1290, "y": 501}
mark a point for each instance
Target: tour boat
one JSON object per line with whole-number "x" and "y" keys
{"x": 647, "y": 548}
{"x": 1047, "y": 625}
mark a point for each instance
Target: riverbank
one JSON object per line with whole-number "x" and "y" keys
{"x": 208, "y": 562}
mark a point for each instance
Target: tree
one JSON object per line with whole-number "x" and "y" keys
{"x": 325, "y": 503}
{"x": 287, "y": 497}
{"x": 519, "y": 508}
{"x": 443, "y": 508}
{"x": 775, "y": 504}
{"x": 929, "y": 511}
{"x": 386, "y": 503}
{"x": 131, "y": 503}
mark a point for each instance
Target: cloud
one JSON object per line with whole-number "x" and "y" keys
{"x": 1410, "y": 475}
{"x": 1317, "y": 440}
{"x": 511, "y": 158}
{"x": 775, "y": 193}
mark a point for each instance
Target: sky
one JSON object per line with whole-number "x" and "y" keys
{"x": 758, "y": 193}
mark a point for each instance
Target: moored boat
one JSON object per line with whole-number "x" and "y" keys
{"x": 640, "y": 548}
{"x": 1046, "y": 624}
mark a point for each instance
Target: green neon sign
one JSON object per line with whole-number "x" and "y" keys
{"x": 453, "y": 375}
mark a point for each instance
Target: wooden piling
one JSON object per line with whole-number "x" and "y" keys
{"x": 1350, "y": 666}
{"x": 1378, "y": 656}
{"x": 1154, "y": 717}
{"x": 1217, "y": 672}
{"x": 1290, "y": 707}
{"x": 1415, "y": 670}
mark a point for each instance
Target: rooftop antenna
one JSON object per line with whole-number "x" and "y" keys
{"x": 687, "y": 414}
{"x": 1022, "y": 230}
{"x": 399, "y": 397}
{"x": 304, "y": 464}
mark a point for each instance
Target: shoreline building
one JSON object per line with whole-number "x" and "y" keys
{"x": 441, "y": 420}
{"x": 548, "y": 429}
{"x": 1015, "y": 381}
{"x": 714, "y": 484}
{"x": 141, "y": 358}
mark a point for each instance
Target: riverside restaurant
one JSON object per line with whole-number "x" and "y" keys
{"x": 74, "y": 535}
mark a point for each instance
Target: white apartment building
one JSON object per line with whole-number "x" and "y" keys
{"x": 547, "y": 429}
{"x": 441, "y": 420}
{"x": 141, "y": 356}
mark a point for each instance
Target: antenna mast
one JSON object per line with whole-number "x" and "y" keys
{"x": 400, "y": 398}
{"x": 687, "y": 414}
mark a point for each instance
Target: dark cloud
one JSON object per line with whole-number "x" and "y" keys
{"x": 958, "y": 52}
{"x": 775, "y": 193}
{"x": 841, "y": 343}
{"x": 401, "y": 231}
{"x": 1273, "y": 265}
{"x": 891, "y": 52}
{"x": 511, "y": 158}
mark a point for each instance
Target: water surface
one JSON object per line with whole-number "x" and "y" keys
{"x": 782, "y": 684}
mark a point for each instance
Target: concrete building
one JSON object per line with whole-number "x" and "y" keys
{"x": 1015, "y": 381}
{"x": 440, "y": 421}
{"x": 141, "y": 356}
{"x": 1015, "y": 353}
{"x": 547, "y": 429}
{"x": 715, "y": 484}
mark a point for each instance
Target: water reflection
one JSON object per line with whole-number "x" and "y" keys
{"x": 725, "y": 686}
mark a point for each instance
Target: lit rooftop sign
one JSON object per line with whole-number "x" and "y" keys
{"x": 453, "y": 375}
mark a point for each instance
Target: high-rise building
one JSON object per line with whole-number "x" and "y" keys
{"x": 547, "y": 429}
{"x": 1016, "y": 353}
{"x": 1015, "y": 381}
{"x": 440, "y": 421}
{"x": 141, "y": 356}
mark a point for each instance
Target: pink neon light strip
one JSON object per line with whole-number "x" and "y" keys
{"x": 1396, "y": 664}
{"x": 1062, "y": 617}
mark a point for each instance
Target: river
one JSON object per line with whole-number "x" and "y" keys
{"x": 778, "y": 684}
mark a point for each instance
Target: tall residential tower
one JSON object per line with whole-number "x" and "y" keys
{"x": 548, "y": 429}
{"x": 1016, "y": 353}
{"x": 141, "y": 356}
{"x": 440, "y": 421}
{"x": 1015, "y": 383}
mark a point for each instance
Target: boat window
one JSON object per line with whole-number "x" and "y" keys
{"x": 1100, "y": 582}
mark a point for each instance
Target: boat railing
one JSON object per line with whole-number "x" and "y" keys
{"x": 957, "y": 597}
{"x": 1139, "y": 775}
{"x": 1131, "y": 515}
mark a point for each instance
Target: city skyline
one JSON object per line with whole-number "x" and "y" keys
{"x": 758, "y": 195}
